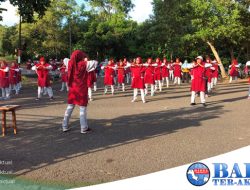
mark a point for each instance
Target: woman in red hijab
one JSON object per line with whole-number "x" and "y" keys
{"x": 158, "y": 74}
{"x": 91, "y": 82}
{"x": 121, "y": 75}
{"x": 78, "y": 70}
{"x": 4, "y": 80}
{"x": 64, "y": 74}
{"x": 43, "y": 79}
{"x": 138, "y": 71}
{"x": 165, "y": 72}
{"x": 215, "y": 73}
{"x": 234, "y": 73}
{"x": 149, "y": 76}
{"x": 109, "y": 75}
{"x": 13, "y": 77}
{"x": 198, "y": 83}
{"x": 177, "y": 71}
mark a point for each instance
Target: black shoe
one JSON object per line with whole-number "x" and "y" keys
{"x": 193, "y": 104}
{"x": 37, "y": 99}
{"x": 51, "y": 98}
{"x": 204, "y": 105}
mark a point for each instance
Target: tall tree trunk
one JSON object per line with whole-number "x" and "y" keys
{"x": 232, "y": 53}
{"x": 248, "y": 57}
{"x": 239, "y": 54}
{"x": 216, "y": 55}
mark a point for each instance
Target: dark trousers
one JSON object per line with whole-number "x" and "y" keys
{"x": 185, "y": 77}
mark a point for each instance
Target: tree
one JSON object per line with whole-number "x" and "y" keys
{"x": 214, "y": 20}
{"x": 108, "y": 28}
{"x": 6, "y": 40}
{"x": 27, "y": 9}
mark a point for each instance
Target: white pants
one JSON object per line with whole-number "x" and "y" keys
{"x": 48, "y": 89}
{"x": 167, "y": 81}
{"x": 112, "y": 89}
{"x": 214, "y": 82}
{"x": 202, "y": 97}
{"x": 128, "y": 77}
{"x": 95, "y": 87}
{"x": 83, "y": 116}
{"x": 209, "y": 87}
{"x": 19, "y": 86}
{"x": 44, "y": 91}
{"x": 158, "y": 82}
{"x": 14, "y": 87}
{"x": 136, "y": 93}
{"x": 123, "y": 87}
{"x": 232, "y": 78}
{"x": 5, "y": 92}
{"x": 152, "y": 90}
{"x": 64, "y": 84}
{"x": 90, "y": 93}
{"x": 171, "y": 75}
{"x": 177, "y": 80}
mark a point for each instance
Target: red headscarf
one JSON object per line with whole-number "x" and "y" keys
{"x": 234, "y": 62}
{"x": 150, "y": 59}
{"x": 4, "y": 63}
{"x": 42, "y": 59}
{"x": 140, "y": 60}
{"x": 76, "y": 57}
{"x": 159, "y": 61}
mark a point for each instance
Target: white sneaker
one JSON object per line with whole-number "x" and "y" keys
{"x": 65, "y": 129}
{"x": 134, "y": 100}
{"x": 85, "y": 131}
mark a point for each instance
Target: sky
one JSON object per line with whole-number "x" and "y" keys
{"x": 140, "y": 13}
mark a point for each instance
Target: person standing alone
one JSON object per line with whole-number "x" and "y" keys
{"x": 78, "y": 69}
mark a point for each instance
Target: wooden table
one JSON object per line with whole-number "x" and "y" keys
{"x": 9, "y": 108}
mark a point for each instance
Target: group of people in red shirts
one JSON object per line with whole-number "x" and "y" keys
{"x": 78, "y": 76}
{"x": 10, "y": 79}
{"x": 151, "y": 74}
{"x": 155, "y": 74}
{"x": 79, "y": 69}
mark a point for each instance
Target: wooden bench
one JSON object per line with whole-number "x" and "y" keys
{"x": 4, "y": 110}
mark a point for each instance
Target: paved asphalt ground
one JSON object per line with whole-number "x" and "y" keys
{"x": 128, "y": 139}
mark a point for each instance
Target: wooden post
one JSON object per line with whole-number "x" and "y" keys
{"x": 14, "y": 121}
{"x": 3, "y": 123}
